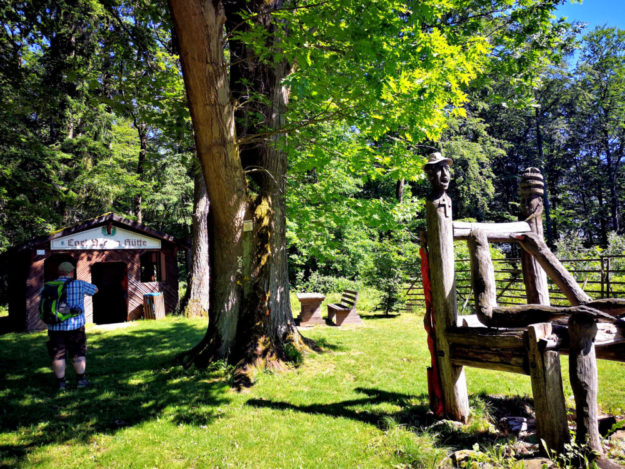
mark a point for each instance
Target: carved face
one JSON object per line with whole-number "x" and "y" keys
{"x": 439, "y": 176}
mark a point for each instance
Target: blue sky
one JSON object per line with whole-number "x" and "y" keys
{"x": 595, "y": 12}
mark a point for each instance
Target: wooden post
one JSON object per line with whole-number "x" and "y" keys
{"x": 608, "y": 287}
{"x": 583, "y": 374}
{"x": 549, "y": 403}
{"x": 603, "y": 295}
{"x": 482, "y": 274}
{"x": 531, "y": 190}
{"x": 440, "y": 240}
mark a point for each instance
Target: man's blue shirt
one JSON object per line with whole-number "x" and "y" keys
{"x": 76, "y": 292}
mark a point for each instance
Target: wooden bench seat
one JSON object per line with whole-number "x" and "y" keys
{"x": 344, "y": 312}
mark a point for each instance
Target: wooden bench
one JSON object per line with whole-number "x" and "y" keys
{"x": 345, "y": 311}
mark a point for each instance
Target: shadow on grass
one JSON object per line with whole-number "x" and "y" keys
{"x": 379, "y": 316}
{"x": 506, "y": 406}
{"x": 132, "y": 382}
{"x": 352, "y": 408}
{"x": 416, "y": 418}
{"x": 325, "y": 345}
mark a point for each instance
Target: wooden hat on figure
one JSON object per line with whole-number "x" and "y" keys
{"x": 435, "y": 158}
{"x": 437, "y": 170}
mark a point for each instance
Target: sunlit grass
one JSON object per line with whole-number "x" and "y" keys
{"x": 360, "y": 403}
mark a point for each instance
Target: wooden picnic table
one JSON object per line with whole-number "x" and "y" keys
{"x": 311, "y": 309}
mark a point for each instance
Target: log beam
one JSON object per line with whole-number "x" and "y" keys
{"x": 512, "y": 360}
{"x": 524, "y": 315}
{"x": 612, "y": 306}
{"x": 535, "y": 246}
{"x": 495, "y": 232}
{"x": 486, "y": 337}
{"x": 482, "y": 275}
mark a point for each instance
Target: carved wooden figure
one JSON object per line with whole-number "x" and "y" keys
{"x": 530, "y": 337}
{"x": 440, "y": 240}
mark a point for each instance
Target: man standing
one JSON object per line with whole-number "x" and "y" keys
{"x": 68, "y": 337}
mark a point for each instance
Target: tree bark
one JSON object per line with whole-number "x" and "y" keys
{"x": 199, "y": 27}
{"x": 142, "y": 130}
{"x": 269, "y": 326}
{"x": 198, "y": 286}
{"x": 250, "y": 320}
{"x": 399, "y": 190}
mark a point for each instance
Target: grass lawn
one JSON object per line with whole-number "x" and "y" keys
{"x": 361, "y": 403}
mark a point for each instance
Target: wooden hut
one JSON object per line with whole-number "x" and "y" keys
{"x": 125, "y": 259}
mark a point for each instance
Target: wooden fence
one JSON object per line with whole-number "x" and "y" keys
{"x": 600, "y": 277}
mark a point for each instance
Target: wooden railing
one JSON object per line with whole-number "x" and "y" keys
{"x": 600, "y": 277}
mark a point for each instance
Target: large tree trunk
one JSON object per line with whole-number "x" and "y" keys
{"x": 265, "y": 162}
{"x": 198, "y": 286}
{"x": 142, "y": 131}
{"x": 250, "y": 320}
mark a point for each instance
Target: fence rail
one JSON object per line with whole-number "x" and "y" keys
{"x": 600, "y": 277}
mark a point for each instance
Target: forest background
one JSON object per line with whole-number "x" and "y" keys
{"x": 93, "y": 118}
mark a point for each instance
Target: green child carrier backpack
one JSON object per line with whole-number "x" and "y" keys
{"x": 53, "y": 308}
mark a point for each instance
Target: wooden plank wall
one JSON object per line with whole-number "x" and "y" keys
{"x": 84, "y": 262}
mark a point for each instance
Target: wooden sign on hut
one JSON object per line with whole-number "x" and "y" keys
{"x": 125, "y": 259}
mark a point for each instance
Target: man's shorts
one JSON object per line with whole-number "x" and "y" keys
{"x": 62, "y": 343}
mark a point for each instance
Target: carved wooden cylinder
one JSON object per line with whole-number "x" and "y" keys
{"x": 531, "y": 189}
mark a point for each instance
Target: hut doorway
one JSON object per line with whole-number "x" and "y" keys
{"x": 110, "y": 303}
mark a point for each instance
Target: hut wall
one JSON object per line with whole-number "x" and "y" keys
{"x": 84, "y": 262}
{"x": 19, "y": 264}
{"x": 168, "y": 284}
{"x": 34, "y": 284}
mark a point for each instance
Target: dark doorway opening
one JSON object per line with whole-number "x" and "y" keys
{"x": 110, "y": 304}
{"x": 51, "y": 266}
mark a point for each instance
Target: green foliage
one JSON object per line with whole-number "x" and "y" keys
{"x": 372, "y": 89}
{"x": 325, "y": 284}
{"x": 93, "y": 119}
{"x": 574, "y": 455}
{"x": 595, "y": 265}
{"x": 395, "y": 262}
{"x": 389, "y": 278}
{"x": 293, "y": 355}
{"x": 473, "y": 152}
{"x": 567, "y": 125}
{"x": 78, "y": 82}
